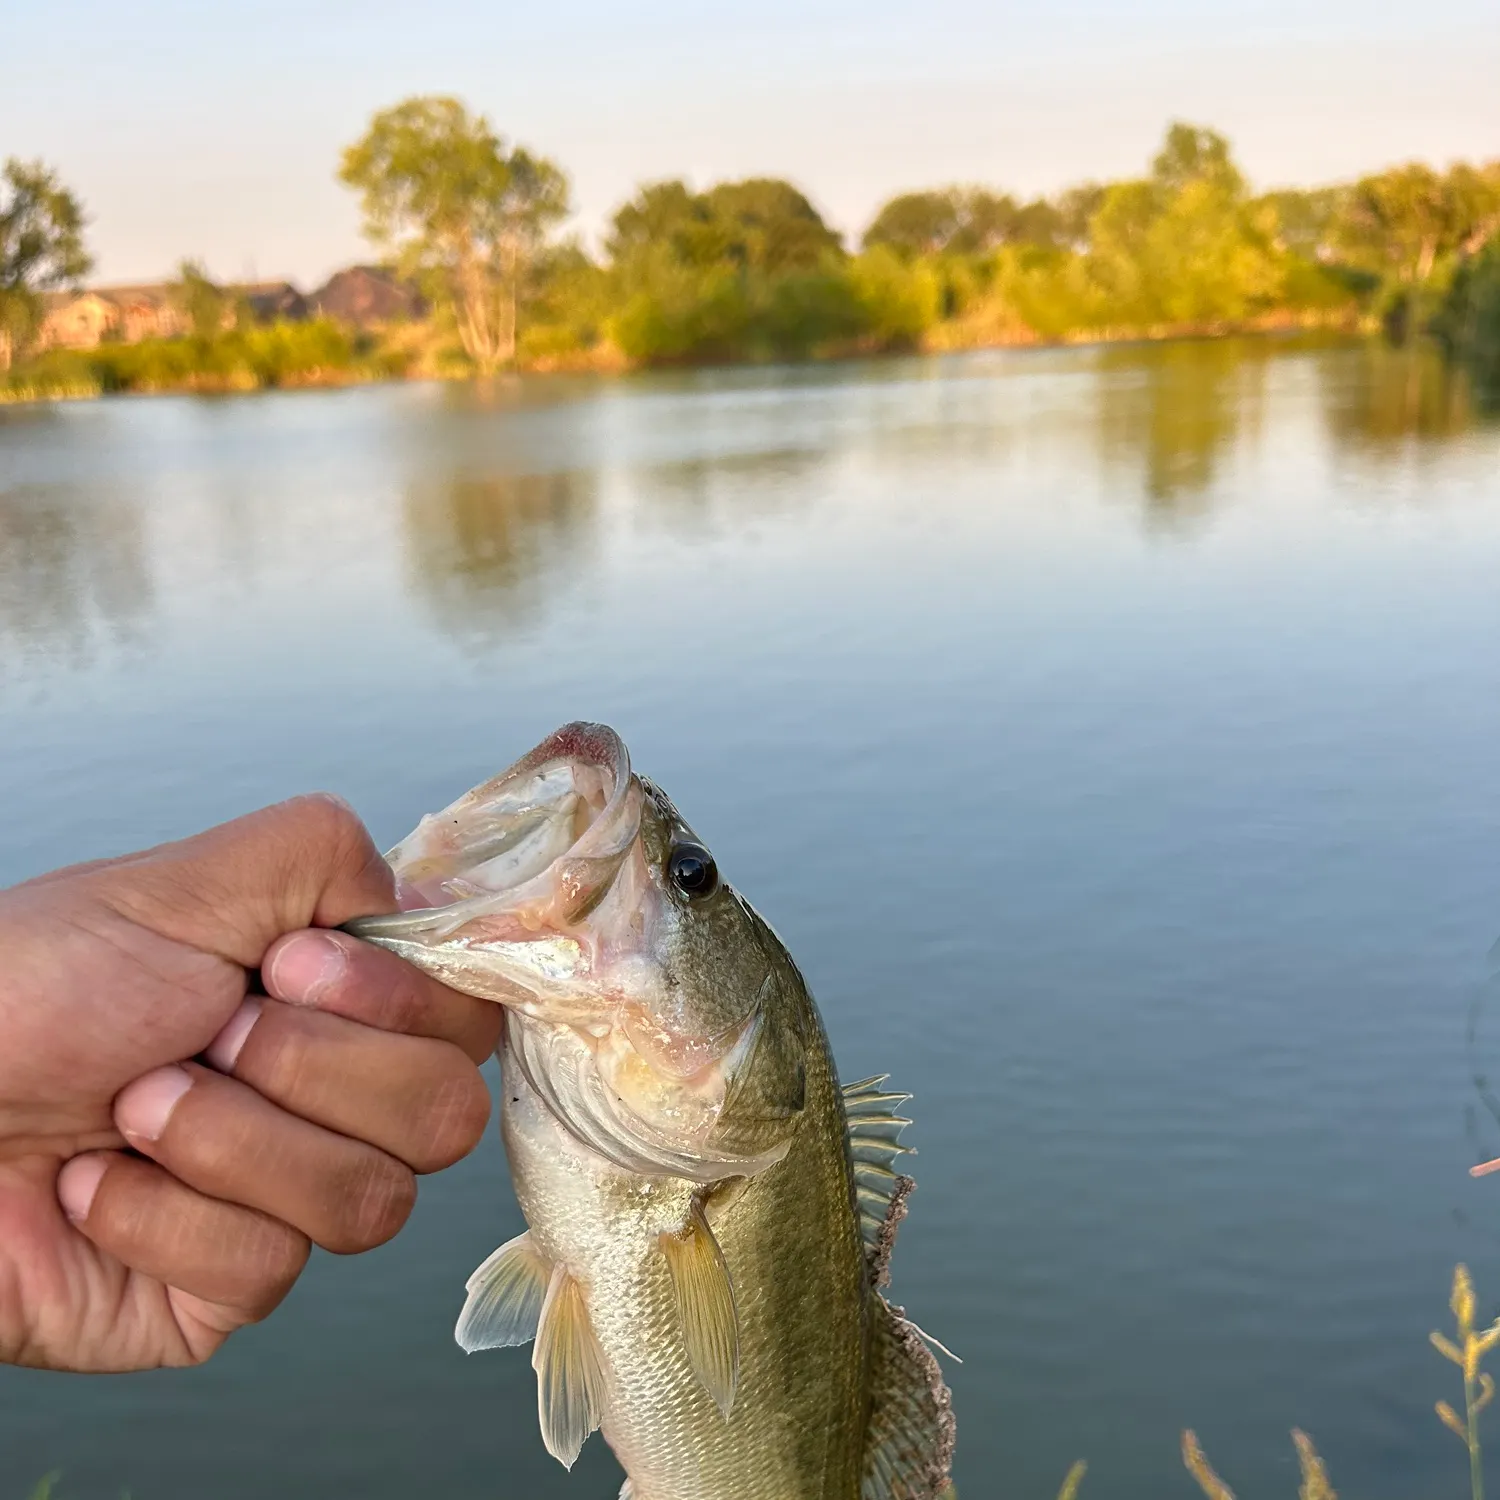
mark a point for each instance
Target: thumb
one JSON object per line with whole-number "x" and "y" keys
{"x": 236, "y": 888}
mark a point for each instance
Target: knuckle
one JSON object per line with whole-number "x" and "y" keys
{"x": 320, "y": 820}
{"x": 279, "y": 1258}
{"x": 330, "y": 808}
{"x": 378, "y": 1200}
{"x": 456, "y": 1113}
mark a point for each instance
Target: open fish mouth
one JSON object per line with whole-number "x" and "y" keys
{"x": 538, "y": 890}
{"x": 523, "y": 889}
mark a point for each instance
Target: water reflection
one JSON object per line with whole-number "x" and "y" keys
{"x": 1388, "y": 396}
{"x": 74, "y": 574}
{"x": 1229, "y": 813}
{"x": 1173, "y": 411}
{"x": 484, "y": 554}
{"x": 698, "y": 496}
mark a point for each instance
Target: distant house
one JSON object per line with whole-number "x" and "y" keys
{"x": 116, "y": 314}
{"x": 271, "y": 301}
{"x": 366, "y": 297}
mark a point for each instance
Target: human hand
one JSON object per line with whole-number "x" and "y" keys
{"x": 304, "y": 1117}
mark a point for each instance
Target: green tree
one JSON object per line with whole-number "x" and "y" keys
{"x": 1410, "y": 228}
{"x": 1476, "y": 195}
{"x": 922, "y": 223}
{"x": 41, "y": 249}
{"x": 1405, "y": 222}
{"x": 1186, "y": 245}
{"x": 744, "y": 270}
{"x": 1396, "y": 223}
{"x": 963, "y": 221}
{"x": 1468, "y": 321}
{"x": 665, "y": 216}
{"x": 1305, "y": 219}
{"x": 204, "y": 306}
{"x": 1076, "y": 207}
{"x": 1193, "y": 154}
{"x": 458, "y": 211}
{"x": 770, "y": 226}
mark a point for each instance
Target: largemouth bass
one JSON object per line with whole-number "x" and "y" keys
{"x": 710, "y": 1214}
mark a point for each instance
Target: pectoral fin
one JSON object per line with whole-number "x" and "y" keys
{"x": 570, "y": 1380}
{"x": 909, "y": 1444}
{"x": 705, "y": 1305}
{"x": 505, "y": 1298}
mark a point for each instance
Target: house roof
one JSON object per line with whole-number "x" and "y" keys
{"x": 140, "y": 291}
{"x": 366, "y": 295}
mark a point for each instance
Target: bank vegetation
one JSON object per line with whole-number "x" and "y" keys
{"x": 750, "y": 271}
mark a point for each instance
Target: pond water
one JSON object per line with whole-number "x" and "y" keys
{"x": 1111, "y": 733}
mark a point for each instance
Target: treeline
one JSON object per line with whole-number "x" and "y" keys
{"x": 750, "y": 270}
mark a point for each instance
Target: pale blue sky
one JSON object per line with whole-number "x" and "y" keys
{"x": 213, "y": 129}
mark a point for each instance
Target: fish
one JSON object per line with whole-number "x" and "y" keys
{"x": 710, "y": 1213}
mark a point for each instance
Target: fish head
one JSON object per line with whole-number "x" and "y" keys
{"x": 650, "y": 1006}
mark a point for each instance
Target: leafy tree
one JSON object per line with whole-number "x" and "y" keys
{"x": 746, "y": 269}
{"x": 963, "y": 221}
{"x": 41, "y": 248}
{"x": 1404, "y": 223}
{"x": 662, "y": 214}
{"x": 1305, "y": 219}
{"x": 205, "y": 307}
{"x": 1039, "y": 222}
{"x": 900, "y": 299}
{"x": 916, "y": 223}
{"x": 1076, "y": 207}
{"x": 1398, "y": 222}
{"x": 569, "y": 304}
{"x": 1468, "y": 321}
{"x": 1186, "y": 245}
{"x": 457, "y": 211}
{"x": 1476, "y": 195}
{"x": 1193, "y": 154}
{"x": 770, "y": 226}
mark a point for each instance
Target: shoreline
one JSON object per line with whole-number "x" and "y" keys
{"x": 607, "y": 360}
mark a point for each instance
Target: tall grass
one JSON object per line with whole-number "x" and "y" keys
{"x": 1466, "y": 1350}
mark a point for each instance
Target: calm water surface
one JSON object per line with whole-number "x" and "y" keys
{"x": 1111, "y": 734}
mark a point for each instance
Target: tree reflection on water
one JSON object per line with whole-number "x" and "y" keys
{"x": 694, "y": 497}
{"x": 1389, "y": 396}
{"x": 1172, "y": 412}
{"x": 74, "y": 575}
{"x": 487, "y": 553}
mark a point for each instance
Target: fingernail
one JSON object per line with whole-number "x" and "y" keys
{"x": 304, "y": 967}
{"x": 224, "y": 1051}
{"x": 77, "y": 1183}
{"x": 143, "y": 1108}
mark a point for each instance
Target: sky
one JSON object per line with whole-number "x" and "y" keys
{"x": 213, "y": 131}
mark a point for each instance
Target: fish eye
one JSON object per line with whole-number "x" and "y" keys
{"x": 693, "y": 870}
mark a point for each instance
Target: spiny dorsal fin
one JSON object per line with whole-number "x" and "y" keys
{"x": 505, "y": 1298}
{"x": 909, "y": 1443}
{"x": 874, "y": 1144}
{"x": 705, "y": 1305}
{"x": 570, "y": 1380}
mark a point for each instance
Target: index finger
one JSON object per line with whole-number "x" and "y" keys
{"x": 334, "y": 972}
